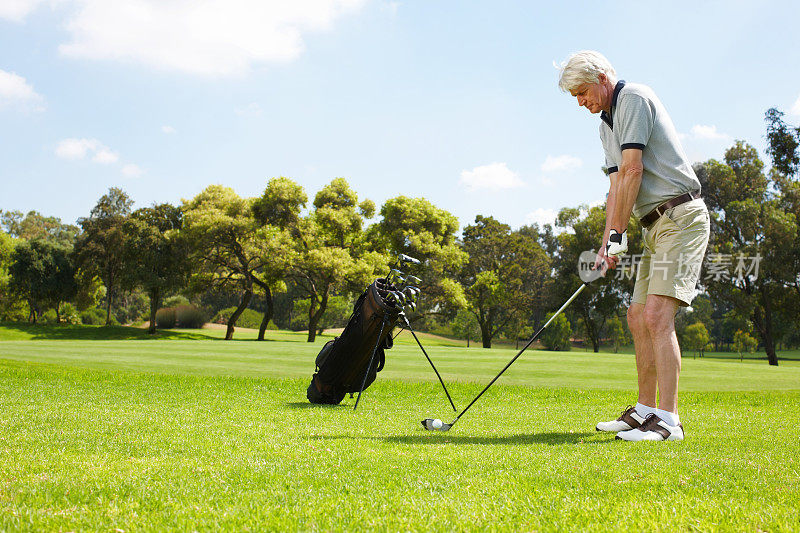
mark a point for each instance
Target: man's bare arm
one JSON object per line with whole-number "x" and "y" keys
{"x": 622, "y": 195}
{"x": 624, "y": 189}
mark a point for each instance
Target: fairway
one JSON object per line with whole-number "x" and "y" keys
{"x": 208, "y": 435}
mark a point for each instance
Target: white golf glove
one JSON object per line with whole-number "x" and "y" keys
{"x": 617, "y": 243}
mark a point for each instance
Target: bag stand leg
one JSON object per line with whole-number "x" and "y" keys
{"x": 371, "y": 361}
{"x": 408, "y": 325}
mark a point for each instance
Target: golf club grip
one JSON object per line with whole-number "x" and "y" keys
{"x": 535, "y": 335}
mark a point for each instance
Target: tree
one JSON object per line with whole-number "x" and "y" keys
{"x": 229, "y": 246}
{"x": 155, "y": 255}
{"x": 743, "y": 342}
{"x": 557, "y": 335}
{"x": 604, "y": 297}
{"x": 755, "y": 233}
{"x": 279, "y": 208}
{"x": 99, "y": 249}
{"x": 504, "y": 274}
{"x": 43, "y": 273}
{"x": 333, "y": 255}
{"x": 336, "y": 314}
{"x": 416, "y": 227}
{"x": 697, "y": 337}
{"x": 12, "y": 307}
{"x": 617, "y": 333}
{"x": 465, "y": 325}
{"x": 36, "y": 226}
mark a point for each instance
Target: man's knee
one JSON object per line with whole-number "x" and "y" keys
{"x": 636, "y": 317}
{"x": 659, "y": 315}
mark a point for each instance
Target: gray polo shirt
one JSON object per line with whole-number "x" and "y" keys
{"x": 639, "y": 120}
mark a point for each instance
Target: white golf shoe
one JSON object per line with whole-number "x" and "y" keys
{"x": 653, "y": 429}
{"x": 629, "y": 419}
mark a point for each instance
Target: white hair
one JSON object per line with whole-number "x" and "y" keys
{"x": 584, "y": 67}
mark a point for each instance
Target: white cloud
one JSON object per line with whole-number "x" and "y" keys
{"x": 205, "y": 37}
{"x": 541, "y": 216}
{"x": 105, "y": 156}
{"x": 168, "y": 129}
{"x": 495, "y": 176}
{"x": 15, "y": 91}
{"x": 76, "y": 148}
{"x": 708, "y": 133}
{"x": 704, "y": 142}
{"x": 795, "y": 110}
{"x": 17, "y": 10}
{"x": 132, "y": 171}
{"x": 99, "y": 153}
{"x": 561, "y": 163}
{"x": 250, "y": 110}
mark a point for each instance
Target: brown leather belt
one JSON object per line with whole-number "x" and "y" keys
{"x": 656, "y": 213}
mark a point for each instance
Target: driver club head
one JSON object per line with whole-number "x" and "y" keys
{"x": 428, "y": 424}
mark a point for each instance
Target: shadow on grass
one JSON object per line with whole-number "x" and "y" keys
{"x": 17, "y": 331}
{"x": 309, "y": 405}
{"x": 435, "y": 438}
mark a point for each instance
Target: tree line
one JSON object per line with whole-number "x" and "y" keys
{"x": 300, "y": 263}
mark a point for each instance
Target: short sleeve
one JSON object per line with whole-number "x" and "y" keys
{"x": 635, "y": 119}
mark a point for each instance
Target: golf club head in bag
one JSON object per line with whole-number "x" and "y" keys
{"x": 413, "y": 280}
{"x": 404, "y": 259}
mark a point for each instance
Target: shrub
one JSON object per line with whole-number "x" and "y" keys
{"x": 175, "y": 301}
{"x": 93, "y": 316}
{"x": 556, "y": 337}
{"x": 248, "y": 319}
{"x": 166, "y": 318}
{"x": 48, "y": 317}
{"x": 69, "y": 315}
{"x": 189, "y": 316}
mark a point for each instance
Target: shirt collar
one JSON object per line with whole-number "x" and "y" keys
{"x": 608, "y": 118}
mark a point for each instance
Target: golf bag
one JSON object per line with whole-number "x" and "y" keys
{"x": 343, "y": 363}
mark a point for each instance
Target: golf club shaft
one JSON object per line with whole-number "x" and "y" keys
{"x": 408, "y": 325}
{"x": 535, "y": 335}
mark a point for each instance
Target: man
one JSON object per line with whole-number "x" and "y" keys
{"x": 650, "y": 177}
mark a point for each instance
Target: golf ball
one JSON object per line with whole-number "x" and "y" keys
{"x": 437, "y": 424}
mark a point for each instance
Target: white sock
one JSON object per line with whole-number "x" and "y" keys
{"x": 644, "y": 410}
{"x": 670, "y": 418}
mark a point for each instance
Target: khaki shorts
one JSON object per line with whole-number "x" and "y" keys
{"x": 672, "y": 255}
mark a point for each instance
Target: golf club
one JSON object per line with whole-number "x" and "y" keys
{"x": 407, "y": 325}
{"x": 428, "y": 423}
{"x": 411, "y": 291}
{"x": 413, "y": 280}
{"x": 403, "y": 258}
{"x": 394, "y": 274}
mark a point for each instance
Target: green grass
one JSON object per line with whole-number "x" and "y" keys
{"x": 208, "y": 435}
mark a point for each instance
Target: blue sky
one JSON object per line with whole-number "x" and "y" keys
{"x": 456, "y": 102}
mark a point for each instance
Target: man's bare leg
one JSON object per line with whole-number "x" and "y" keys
{"x": 659, "y": 319}
{"x": 645, "y": 358}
